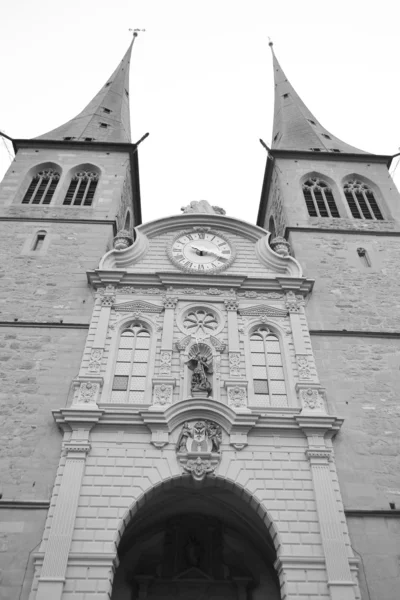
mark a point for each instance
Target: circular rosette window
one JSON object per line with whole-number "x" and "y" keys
{"x": 200, "y": 321}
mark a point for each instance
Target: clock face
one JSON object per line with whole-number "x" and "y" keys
{"x": 201, "y": 252}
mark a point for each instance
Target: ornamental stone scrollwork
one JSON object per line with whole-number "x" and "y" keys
{"x": 96, "y": 356}
{"x": 183, "y": 343}
{"x": 311, "y": 400}
{"x": 162, "y": 394}
{"x": 237, "y": 395}
{"x": 202, "y": 206}
{"x": 218, "y": 344}
{"x": 303, "y": 365}
{"x": 231, "y": 305}
{"x": 87, "y": 393}
{"x": 165, "y": 362}
{"x": 138, "y": 306}
{"x": 129, "y": 289}
{"x": 263, "y": 310}
{"x": 234, "y": 364}
{"x": 264, "y": 296}
{"x": 199, "y": 448}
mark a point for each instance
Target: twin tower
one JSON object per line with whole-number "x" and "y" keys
{"x": 226, "y": 393}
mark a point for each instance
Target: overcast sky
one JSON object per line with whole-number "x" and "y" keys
{"x": 202, "y": 82}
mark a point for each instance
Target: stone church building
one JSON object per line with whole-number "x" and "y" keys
{"x": 198, "y": 407}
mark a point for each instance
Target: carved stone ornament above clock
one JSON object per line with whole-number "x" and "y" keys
{"x": 201, "y": 250}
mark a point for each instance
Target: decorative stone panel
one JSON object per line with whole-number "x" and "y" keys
{"x": 237, "y": 395}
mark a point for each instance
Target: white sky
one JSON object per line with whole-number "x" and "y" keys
{"x": 202, "y": 82}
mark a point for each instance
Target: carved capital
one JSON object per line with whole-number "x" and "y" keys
{"x": 170, "y": 302}
{"x": 319, "y": 455}
{"x": 292, "y": 303}
{"x": 107, "y": 295}
{"x": 73, "y": 448}
{"x": 231, "y": 305}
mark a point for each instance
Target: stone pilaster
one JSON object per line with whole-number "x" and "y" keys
{"x": 340, "y": 583}
{"x": 52, "y": 577}
{"x": 233, "y": 338}
{"x": 163, "y": 384}
{"x": 107, "y": 299}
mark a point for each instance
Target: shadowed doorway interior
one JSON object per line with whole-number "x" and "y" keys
{"x": 196, "y": 544}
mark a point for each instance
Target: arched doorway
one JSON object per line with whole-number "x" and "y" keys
{"x": 196, "y": 543}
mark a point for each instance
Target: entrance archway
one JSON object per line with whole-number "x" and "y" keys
{"x": 191, "y": 542}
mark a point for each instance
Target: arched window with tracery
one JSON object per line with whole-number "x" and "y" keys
{"x": 82, "y": 189}
{"x": 319, "y": 198}
{"x": 361, "y": 200}
{"x": 42, "y": 187}
{"x": 129, "y": 383}
{"x": 267, "y": 369}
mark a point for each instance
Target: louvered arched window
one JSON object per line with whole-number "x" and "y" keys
{"x": 319, "y": 198}
{"x": 361, "y": 200}
{"x": 81, "y": 189}
{"x": 129, "y": 383}
{"x": 42, "y": 187}
{"x": 267, "y": 370}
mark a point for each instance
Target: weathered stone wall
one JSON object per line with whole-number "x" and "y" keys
{"x": 347, "y": 294}
{"x": 21, "y": 531}
{"x": 362, "y": 379}
{"x": 37, "y": 366}
{"x": 376, "y": 540}
{"x": 49, "y": 284}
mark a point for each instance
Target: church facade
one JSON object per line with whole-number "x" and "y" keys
{"x": 198, "y": 406}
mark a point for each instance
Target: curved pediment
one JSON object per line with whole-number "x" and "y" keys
{"x": 152, "y": 250}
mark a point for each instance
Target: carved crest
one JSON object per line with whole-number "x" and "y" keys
{"x": 199, "y": 447}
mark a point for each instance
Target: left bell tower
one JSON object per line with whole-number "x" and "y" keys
{"x": 65, "y": 196}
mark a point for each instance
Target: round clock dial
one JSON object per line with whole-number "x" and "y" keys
{"x": 201, "y": 252}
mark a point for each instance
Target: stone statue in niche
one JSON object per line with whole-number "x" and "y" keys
{"x": 200, "y": 362}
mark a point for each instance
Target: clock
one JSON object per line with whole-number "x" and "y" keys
{"x": 203, "y": 251}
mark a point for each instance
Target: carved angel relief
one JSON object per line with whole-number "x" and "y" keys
{"x": 199, "y": 448}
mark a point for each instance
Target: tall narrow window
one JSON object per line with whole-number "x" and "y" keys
{"x": 361, "y": 200}
{"x": 267, "y": 370}
{"x": 319, "y": 198}
{"x": 42, "y": 187}
{"x": 81, "y": 189}
{"x": 39, "y": 239}
{"x": 132, "y": 364}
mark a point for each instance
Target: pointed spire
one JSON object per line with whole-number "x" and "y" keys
{"x": 295, "y": 127}
{"x": 106, "y": 118}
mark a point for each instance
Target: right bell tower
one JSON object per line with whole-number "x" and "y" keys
{"x": 340, "y": 211}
